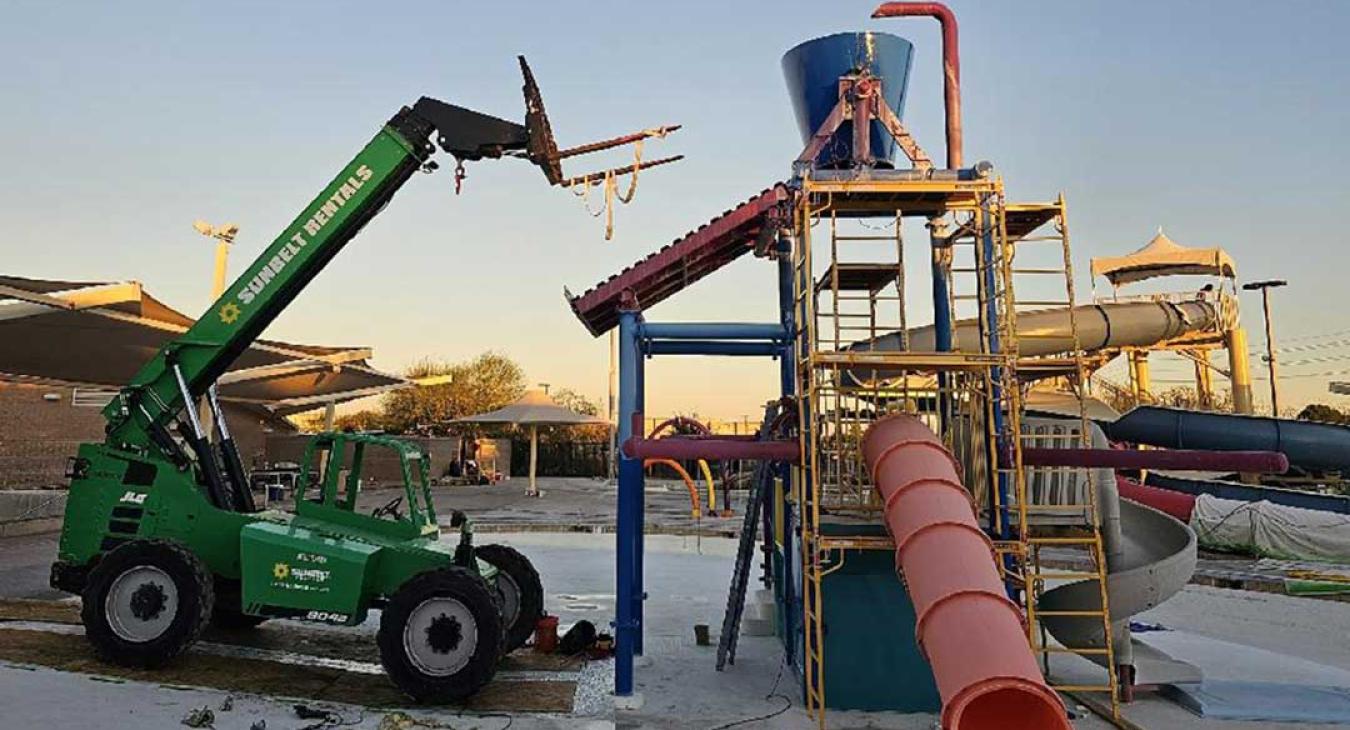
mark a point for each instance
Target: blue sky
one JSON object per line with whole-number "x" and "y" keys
{"x": 124, "y": 122}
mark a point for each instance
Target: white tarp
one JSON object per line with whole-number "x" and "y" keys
{"x": 1271, "y": 530}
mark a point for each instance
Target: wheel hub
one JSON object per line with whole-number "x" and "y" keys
{"x": 141, "y": 604}
{"x": 444, "y": 634}
{"x": 440, "y": 636}
{"x": 148, "y": 601}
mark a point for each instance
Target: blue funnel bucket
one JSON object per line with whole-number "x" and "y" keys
{"x": 812, "y": 70}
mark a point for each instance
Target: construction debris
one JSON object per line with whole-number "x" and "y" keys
{"x": 200, "y": 717}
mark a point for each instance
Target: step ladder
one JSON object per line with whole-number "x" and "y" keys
{"x": 1046, "y": 520}
{"x": 761, "y": 486}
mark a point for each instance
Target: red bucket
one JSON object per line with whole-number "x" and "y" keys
{"x": 546, "y": 635}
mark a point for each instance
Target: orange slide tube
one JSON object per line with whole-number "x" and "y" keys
{"x": 695, "y": 510}
{"x": 971, "y": 633}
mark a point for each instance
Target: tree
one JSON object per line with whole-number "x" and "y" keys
{"x": 487, "y": 382}
{"x": 363, "y": 420}
{"x": 1323, "y": 413}
{"x": 572, "y": 400}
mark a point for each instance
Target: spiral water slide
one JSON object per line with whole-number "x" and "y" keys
{"x": 1150, "y": 556}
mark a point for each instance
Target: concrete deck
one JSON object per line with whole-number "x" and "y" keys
{"x": 1223, "y": 630}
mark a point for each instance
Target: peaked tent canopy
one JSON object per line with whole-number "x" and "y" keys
{"x": 1162, "y": 256}
{"x": 534, "y": 409}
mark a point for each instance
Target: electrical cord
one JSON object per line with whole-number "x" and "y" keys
{"x": 773, "y": 692}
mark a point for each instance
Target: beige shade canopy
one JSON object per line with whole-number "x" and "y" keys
{"x": 534, "y": 409}
{"x": 101, "y": 333}
{"x": 1162, "y": 256}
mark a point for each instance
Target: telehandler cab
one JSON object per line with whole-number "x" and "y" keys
{"x": 161, "y": 534}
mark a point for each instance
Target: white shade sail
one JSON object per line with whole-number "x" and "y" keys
{"x": 1162, "y": 256}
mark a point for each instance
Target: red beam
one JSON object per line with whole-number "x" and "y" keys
{"x": 712, "y": 448}
{"x": 1267, "y": 462}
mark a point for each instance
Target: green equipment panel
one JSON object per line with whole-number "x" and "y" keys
{"x": 294, "y": 570}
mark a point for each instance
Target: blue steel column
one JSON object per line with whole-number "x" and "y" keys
{"x": 942, "y": 311}
{"x": 787, "y": 315}
{"x": 996, "y": 374}
{"x": 630, "y": 489}
{"x": 639, "y": 506}
{"x": 787, "y": 376}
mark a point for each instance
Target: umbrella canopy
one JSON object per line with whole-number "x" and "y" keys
{"x": 534, "y": 409}
{"x": 1162, "y": 256}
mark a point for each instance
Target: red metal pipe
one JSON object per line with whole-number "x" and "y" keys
{"x": 1177, "y": 504}
{"x": 1265, "y": 462}
{"x": 711, "y": 448}
{"x": 951, "y": 66}
{"x": 972, "y": 634}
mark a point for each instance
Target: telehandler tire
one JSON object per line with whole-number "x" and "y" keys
{"x": 518, "y": 589}
{"x": 146, "y": 602}
{"x": 441, "y": 635}
{"x": 226, "y": 615}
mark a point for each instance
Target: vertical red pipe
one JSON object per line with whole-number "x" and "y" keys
{"x": 973, "y": 636}
{"x": 951, "y": 66}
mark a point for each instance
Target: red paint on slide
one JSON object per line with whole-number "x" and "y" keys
{"x": 971, "y": 633}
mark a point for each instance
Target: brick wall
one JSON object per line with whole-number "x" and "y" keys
{"x": 40, "y": 427}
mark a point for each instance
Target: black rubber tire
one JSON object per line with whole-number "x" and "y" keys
{"x": 475, "y": 595}
{"x": 196, "y": 598}
{"x": 521, "y": 572}
{"x": 226, "y": 615}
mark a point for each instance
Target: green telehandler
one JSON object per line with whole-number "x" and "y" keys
{"x": 161, "y": 534}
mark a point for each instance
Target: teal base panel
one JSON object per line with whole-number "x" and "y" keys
{"x": 871, "y": 659}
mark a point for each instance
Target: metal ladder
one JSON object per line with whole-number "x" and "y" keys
{"x": 1034, "y": 517}
{"x": 760, "y": 488}
{"x": 807, "y": 488}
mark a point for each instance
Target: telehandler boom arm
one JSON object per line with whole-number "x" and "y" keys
{"x": 142, "y": 418}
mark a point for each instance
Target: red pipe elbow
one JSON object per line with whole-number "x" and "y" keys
{"x": 951, "y": 65}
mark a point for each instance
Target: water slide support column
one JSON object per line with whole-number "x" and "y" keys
{"x": 942, "y": 308}
{"x": 1241, "y": 377}
{"x": 787, "y": 375}
{"x": 1204, "y": 379}
{"x": 627, "y": 620}
{"x": 1139, "y": 375}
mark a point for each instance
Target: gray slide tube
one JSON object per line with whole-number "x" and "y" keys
{"x": 1048, "y": 331}
{"x": 1308, "y": 445}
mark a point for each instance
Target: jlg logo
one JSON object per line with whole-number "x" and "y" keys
{"x": 134, "y": 497}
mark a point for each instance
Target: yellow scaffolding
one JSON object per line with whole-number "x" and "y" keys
{"x": 850, "y": 301}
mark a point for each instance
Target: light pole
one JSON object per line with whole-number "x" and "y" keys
{"x": 1265, "y": 287}
{"x": 224, "y": 236}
